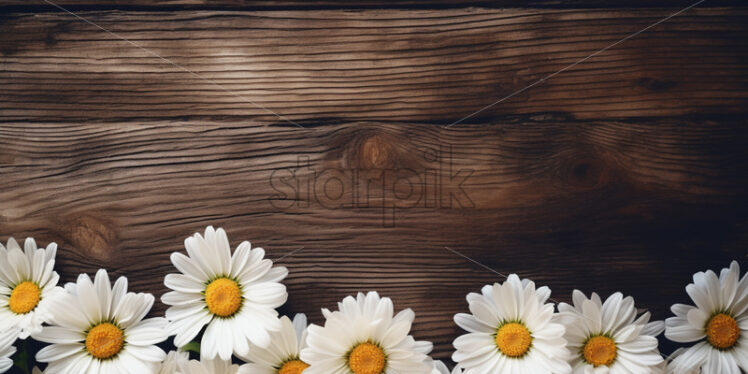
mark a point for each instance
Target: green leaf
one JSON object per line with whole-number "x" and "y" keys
{"x": 22, "y": 358}
{"x": 191, "y": 347}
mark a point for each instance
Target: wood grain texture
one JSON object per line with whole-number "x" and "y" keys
{"x": 635, "y": 206}
{"x": 40, "y": 5}
{"x": 433, "y": 66}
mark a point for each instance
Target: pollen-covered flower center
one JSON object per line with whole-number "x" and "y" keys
{"x": 223, "y": 297}
{"x": 722, "y": 331}
{"x": 600, "y": 351}
{"x": 513, "y": 339}
{"x": 104, "y": 341}
{"x": 24, "y": 298}
{"x": 293, "y": 367}
{"x": 367, "y": 358}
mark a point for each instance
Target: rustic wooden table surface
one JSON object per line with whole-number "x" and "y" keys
{"x": 323, "y": 125}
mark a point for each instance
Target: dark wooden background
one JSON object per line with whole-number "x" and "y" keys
{"x": 626, "y": 173}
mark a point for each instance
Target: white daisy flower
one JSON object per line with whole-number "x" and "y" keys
{"x": 175, "y": 362}
{"x": 282, "y": 356}
{"x": 718, "y": 322}
{"x": 97, "y": 328}
{"x": 511, "y": 331}
{"x": 608, "y": 337}
{"x": 7, "y": 338}
{"x": 363, "y": 337}
{"x": 27, "y": 284}
{"x": 211, "y": 366}
{"x": 235, "y": 295}
{"x": 440, "y": 368}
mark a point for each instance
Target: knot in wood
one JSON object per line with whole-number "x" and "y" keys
{"x": 376, "y": 152}
{"x": 91, "y": 236}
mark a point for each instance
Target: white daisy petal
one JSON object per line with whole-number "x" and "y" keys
{"x": 234, "y": 295}
{"x": 7, "y": 338}
{"x": 28, "y": 276}
{"x": 440, "y": 368}
{"x": 607, "y": 336}
{"x": 188, "y": 328}
{"x": 284, "y": 349}
{"x": 175, "y": 362}
{"x": 511, "y": 330}
{"x": 57, "y": 352}
{"x": 187, "y": 266}
{"x": 20, "y": 264}
{"x": 471, "y": 324}
{"x": 149, "y": 353}
{"x": 716, "y": 322}
{"x": 148, "y": 332}
{"x": 183, "y": 283}
{"x": 60, "y": 335}
{"x": 365, "y": 336}
{"x": 99, "y": 329}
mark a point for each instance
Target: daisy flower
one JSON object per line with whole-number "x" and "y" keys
{"x": 608, "y": 337}
{"x": 27, "y": 284}
{"x": 7, "y": 338}
{"x": 234, "y": 295}
{"x": 97, "y": 328}
{"x": 282, "y": 356}
{"x": 363, "y": 337}
{"x": 718, "y": 322}
{"x": 511, "y": 330}
{"x": 440, "y": 368}
{"x": 175, "y": 362}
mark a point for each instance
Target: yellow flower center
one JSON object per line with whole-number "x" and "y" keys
{"x": 293, "y": 367}
{"x": 223, "y": 297}
{"x": 367, "y": 358}
{"x": 25, "y": 297}
{"x": 513, "y": 339}
{"x": 722, "y": 331}
{"x": 600, "y": 350}
{"x": 104, "y": 341}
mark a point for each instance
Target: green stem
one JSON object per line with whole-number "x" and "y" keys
{"x": 192, "y": 347}
{"x": 22, "y": 358}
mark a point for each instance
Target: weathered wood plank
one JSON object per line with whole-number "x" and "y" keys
{"x": 39, "y": 5}
{"x": 382, "y": 65}
{"x": 602, "y": 205}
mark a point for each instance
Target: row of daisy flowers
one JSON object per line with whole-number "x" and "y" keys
{"x": 225, "y": 303}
